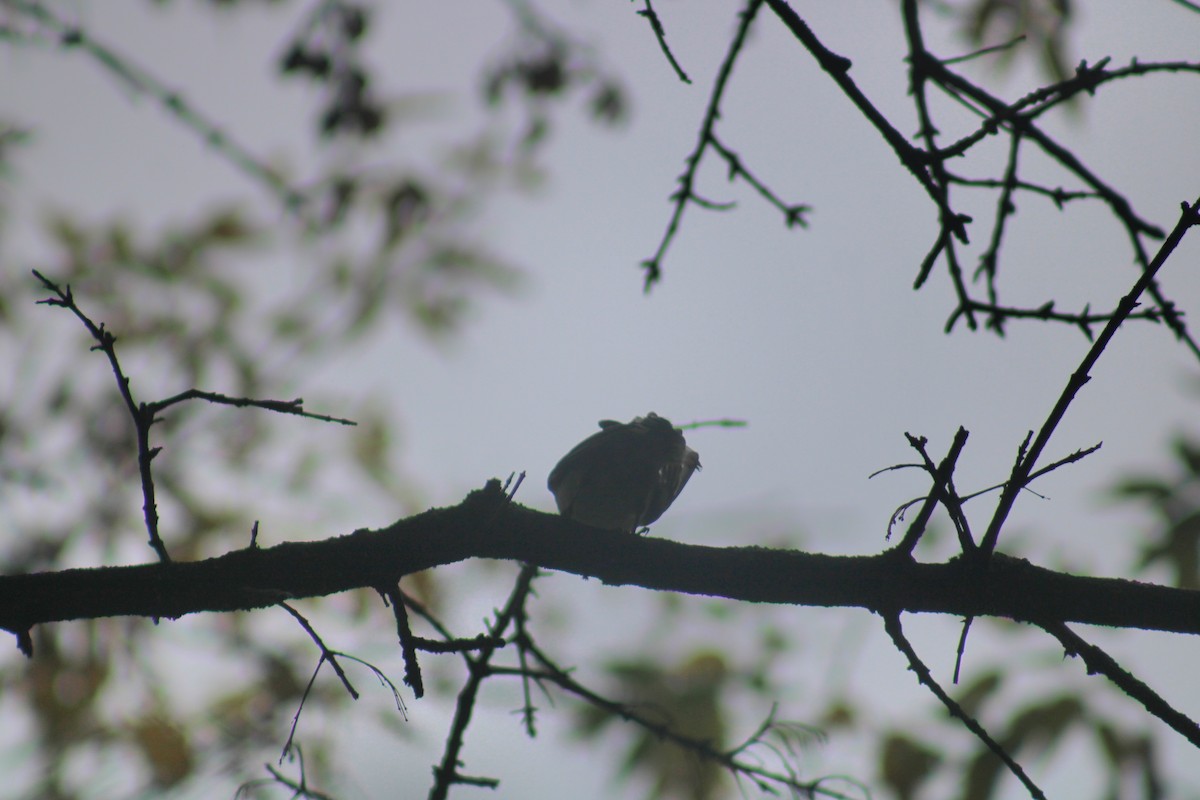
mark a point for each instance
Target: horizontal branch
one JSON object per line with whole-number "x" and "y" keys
{"x": 486, "y": 525}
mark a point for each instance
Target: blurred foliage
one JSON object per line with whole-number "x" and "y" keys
{"x": 905, "y": 764}
{"x": 543, "y": 65}
{"x": 326, "y": 50}
{"x": 210, "y": 301}
{"x": 1174, "y": 542}
{"x": 1029, "y": 726}
{"x": 688, "y": 699}
{"x": 1044, "y": 24}
{"x": 231, "y": 300}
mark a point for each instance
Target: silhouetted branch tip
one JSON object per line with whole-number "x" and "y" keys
{"x": 660, "y": 33}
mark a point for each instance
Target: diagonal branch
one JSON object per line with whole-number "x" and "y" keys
{"x": 661, "y": 34}
{"x": 1099, "y": 661}
{"x": 1023, "y": 468}
{"x": 911, "y": 157}
{"x": 892, "y": 625}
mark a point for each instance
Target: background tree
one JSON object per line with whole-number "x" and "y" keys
{"x": 382, "y": 231}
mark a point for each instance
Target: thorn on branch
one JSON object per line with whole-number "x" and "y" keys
{"x": 408, "y": 649}
{"x": 25, "y": 642}
{"x": 653, "y": 274}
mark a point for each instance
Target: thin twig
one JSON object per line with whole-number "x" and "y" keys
{"x": 995, "y": 48}
{"x": 838, "y": 68}
{"x": 1135, "y": 226}
{"x": 714, "y": 423}
{"x": 684, "y": 194}
{"x": 940, "y": 492}
{"x": 793, "y": 215}
{"x": 446, "y": 774}
{"x": 142, "y": 417}
{"x": 326, "y": 653}
{"x": 945, "y": 244}
{"x": 661, "y": 34}
{"x": 412, "y": 668}
{"x": 295, "y": 407}
{"x": 1005, "y": 208}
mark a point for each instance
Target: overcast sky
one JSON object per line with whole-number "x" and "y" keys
{"x": 813, "y": 336}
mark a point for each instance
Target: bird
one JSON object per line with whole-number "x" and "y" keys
{"x": 624, "y": 477}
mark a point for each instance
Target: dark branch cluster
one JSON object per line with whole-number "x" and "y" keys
{"x": 929, "y": 162}
{"x": 1025, "y": 470}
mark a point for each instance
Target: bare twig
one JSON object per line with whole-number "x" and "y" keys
{"x": 942, "y": 492}
{"x": 408, "y": 649}
{"x": 295, "y": 407}
{"x": 1135, "y": 227}
{"x": 685, "y": 193}
{"x": 300, "y": 788}
{"x": 656, "y": 25}
{"x": 793, "y": 214}
{"x": 940, "y": 182}
{"x": 995, "y": 48}
{"x": 1085, "y": 319}
{"x": 287, "y": 745}
{"x": 838, "y": 68}
{"x": 142, "y": 417}
{"x": 326, "y": 653}
{"x": 446, "y": 774}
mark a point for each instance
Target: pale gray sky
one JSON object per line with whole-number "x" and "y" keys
{"x": 813, "y": 336}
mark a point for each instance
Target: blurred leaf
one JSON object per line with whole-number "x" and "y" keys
{"x": 688, "y": 700}
{"x": 1152, "y": 490}
{"x": 609, "y": 104}
{"x": 1179, "y": 548}
{"x": 1176, "y": 502}
{"x": 840, "y": 713}
{"x": 1039, "y": 727}
{"x": 1044, "y": 23}
{"x": 1044, "y": 724}
{"x": 1188, "y": 452}
{"x": 905, "y": 764}
{"x": 406, "y": 206}
{"x": 165, "y": 748}
{"x": 979, "y": 691}
{"x": 372, "y": 446}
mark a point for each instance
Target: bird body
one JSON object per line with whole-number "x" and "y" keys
{"x": 625, "y": 476}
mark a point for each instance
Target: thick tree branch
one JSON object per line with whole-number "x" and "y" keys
{"x": 258, "y": 577}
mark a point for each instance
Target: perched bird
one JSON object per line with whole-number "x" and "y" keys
{"x": 625, "y": 476}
